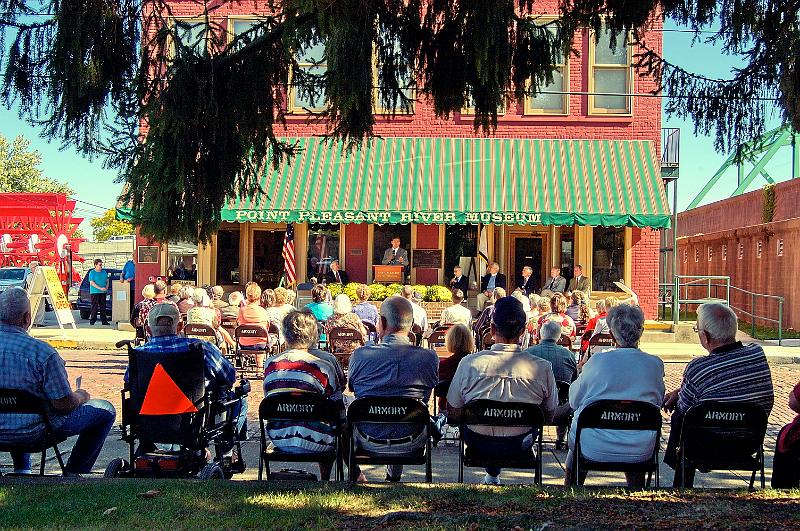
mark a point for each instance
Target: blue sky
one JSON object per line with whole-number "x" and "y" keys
{"x": 95, "y": 186}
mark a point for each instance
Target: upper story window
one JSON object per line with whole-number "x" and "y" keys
{"x": 405, "y": 81}
{"x": 310, "y": 60}
{"x": 191, "y": 33}
{"x": 553, "y": 97}
{"x": 244, "y": 27}
{"x": 610, "y": 74}
{"x": 724, "y": 251}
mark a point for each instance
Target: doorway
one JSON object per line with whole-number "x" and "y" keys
{"x": 526, "y": 251}
{"x": 267, "y": 257}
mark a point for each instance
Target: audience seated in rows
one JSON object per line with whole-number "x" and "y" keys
{"x": 623, "y": 373}
{"x": 204, "y": 313}
{"x": 148, "y": 294}
{"x": 732, "y": 372}
{"x": 503, "y": 373}
{"x": 393, "y": 367}
{"x": 301, "y": 368}
{"x": 344, "y": 317}
{"x": 600, "y": 326}
{"x": 786, "y": 462}
{"x": 253, "y": 314}
{"x": 186, "y": 299}
{"x": 420, "y": 315}
{"x": 319, "y": 305}
{"x": 364, "y": 309}
{"x": 174, "y": 291}
{"x": 558, "y": 304}
{"x": 32, "y": 365}
{"x": 282, "y": 304}
{"x": 485, "y": 317}
{"x": 456, "y": 313}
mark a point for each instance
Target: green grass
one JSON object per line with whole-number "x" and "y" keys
{"x": 762, "y": 332}
{"x": 195, "y": 504}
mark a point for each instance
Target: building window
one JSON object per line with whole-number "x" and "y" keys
{"x": 611, "y": 74}
{"x": 696, "y": 255}
{"x": 191, "y": 34}
{"x": 470, "y": 107}
{"x": 323, "y": 248}
{"x": 406, "y": 84}
{"x": 243, "y": 26}
{"x": 228, "y": 271}
{"x": 311, "y": 61}
{"x": 608, "y": 262}
{"x": 710, "y": 253}
{"x": 553, "y": 97}
{"x": 182, "y": 261}
{"x": 724, "y": 251}
{"x": 741, "y": 251}
{"x": 460, "y": 245}
{"x": 780, "y": 247}
{"x": 382, "y": 239}
{"x": 759, "y": 249}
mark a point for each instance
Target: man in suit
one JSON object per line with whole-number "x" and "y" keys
{"x": 491, "y": 280}
{"x": 525, "y": 282}
{"x": 459, "y": 281}
{"x": 396, "y": 255}
{"x": 336, "y": 275}
{"x": 555, "y": 284}
{"x": 580, "y": 282}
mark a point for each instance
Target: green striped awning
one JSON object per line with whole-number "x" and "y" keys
{"x": 463, "y": 180}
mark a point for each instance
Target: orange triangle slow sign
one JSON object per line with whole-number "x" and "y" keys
{"x": 164, "y": 397}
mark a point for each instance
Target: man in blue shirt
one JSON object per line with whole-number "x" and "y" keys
{"x": 98, "y": 288}
{"x": 34, "y": 366}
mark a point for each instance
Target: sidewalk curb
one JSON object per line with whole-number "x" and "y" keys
{"x": 71, "y": 344}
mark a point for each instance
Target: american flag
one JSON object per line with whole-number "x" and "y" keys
{"x": 288, "y": 254}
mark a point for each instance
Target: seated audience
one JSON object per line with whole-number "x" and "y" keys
{"x": 601, "y": 326}
{"x": 299, "y": 370}
{"x": 574, "y": 308}
{"x": 457, "y": 313}
{"x": 393, "y": 367}
{"x": 786, "y": 462}
{"x": 282, "y": 302}
{"x": 486, "y": 315}
{"x": 217, "y": 297}
{"x": 319, "y": 305}
{"x": 732, "y": 372}
{"x": 564, "y": 370}
{"x": 34, "y": 366}
{"x": 186, "y": 302}
{"x": 149, "y": 293}
{"x": 364, "y": 309}
{"x": 590, "y": 325}
{"x": 558, "y": 304}
{"x": 534, "y": 300}
{"x": 623, "y": 373}
{"x": 174, "y": 292}
{"x": 420, "y": 315}
{"x": 204, "y": 313}
{"x": 253, "y": 314}
{"x": 231, "y": 311}
{"x": 160, "y": 290}
{"x": 291, "y": 296}
{"x": 344, "y": 317}
{"x": 459, "y": 342}
{"x": 275, "y": 317}
{"x": 503, "y": 373}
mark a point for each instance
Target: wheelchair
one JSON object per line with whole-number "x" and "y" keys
{"x": 170, "y": 419}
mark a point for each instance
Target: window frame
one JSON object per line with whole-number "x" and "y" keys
{"x": 290, "y": 91}
{"x": 233, "y": 19}
{"x": 379, "y": 110}
{"x": 173, "y": 21}
{"x": 629, "y": 85}
{"x": 564, "y": 66}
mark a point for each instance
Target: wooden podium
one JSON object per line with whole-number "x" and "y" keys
{"x": 388, "y": 274}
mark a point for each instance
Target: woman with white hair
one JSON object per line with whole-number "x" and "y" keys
{"x": 623, "y": 373}
{"x": 186, "y": 301}
{"x": 343, "y": 316}
{"x": 203, "y": 312}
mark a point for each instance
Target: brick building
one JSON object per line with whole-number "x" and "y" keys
{"x": 565, "y": 179}
{"x": 730, "y": 238}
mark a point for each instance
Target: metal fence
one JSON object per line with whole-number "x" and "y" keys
{"x": 693, "y": 290}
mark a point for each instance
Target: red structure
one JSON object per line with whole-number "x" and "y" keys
{"x": 39, "y": 226}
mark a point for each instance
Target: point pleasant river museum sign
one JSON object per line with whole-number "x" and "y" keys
{"x": 381, "y": 218}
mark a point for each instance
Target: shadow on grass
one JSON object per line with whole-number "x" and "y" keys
{"x": 31, "y": 503}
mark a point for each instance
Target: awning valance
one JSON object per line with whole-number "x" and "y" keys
{"x": 463, "y": 180}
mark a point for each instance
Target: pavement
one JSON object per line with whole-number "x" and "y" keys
{"x": 101, "y": 372}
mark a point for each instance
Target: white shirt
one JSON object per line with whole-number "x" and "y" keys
{"x": 456, "y": 314}
{"x": 617, "y": 374}
{"x": 420, "y": 316}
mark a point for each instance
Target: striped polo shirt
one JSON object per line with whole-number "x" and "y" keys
{"x": 731, "y": 373}
{"x": 299, "y": 370}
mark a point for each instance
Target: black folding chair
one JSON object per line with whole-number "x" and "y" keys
{"x": 247, "y": 361}
{"x": 600, "y": 340}
{"x": 201, "y": 331}
{"x": 19, "y": 402}
{"x": 436, "y": 339}
{"x": 440, "y": 391}
{"x": 565, "y": 341}
{"x": 507, "y": 415}
{"x": 417, "y": 331}
{"x": 340, "y": 334}
{"x": 389, "y": 410}
{"x": 625, "y": 415}
{"x": 372, "y": 332}
{"x": 723, "y": 436}
{"x": 297, "y": 406}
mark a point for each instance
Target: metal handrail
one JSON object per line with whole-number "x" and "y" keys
{"x": 706, "y": 281}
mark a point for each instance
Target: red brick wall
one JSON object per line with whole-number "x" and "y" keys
{"x": 356, "y": 241}
{"x": 144, "y": 271}
{"x": 427, "y": 238}
{"x": 644, "y": 270}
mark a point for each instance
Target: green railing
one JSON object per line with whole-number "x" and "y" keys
{"x": 698, "y": 289}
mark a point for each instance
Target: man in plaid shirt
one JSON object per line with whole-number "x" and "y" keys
{"x": 34, "y": 366}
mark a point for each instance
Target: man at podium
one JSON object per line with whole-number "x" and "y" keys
{"x": 396, "y": 255}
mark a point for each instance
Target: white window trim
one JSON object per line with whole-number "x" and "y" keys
{"x": 527, "y": 108}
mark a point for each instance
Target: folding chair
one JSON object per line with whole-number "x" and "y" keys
{"x": 297, "y": 406}
{"x": 201, "y": 331}
{"x": 247, "y": 360}
{"x": 487, "y": 340}
{"x": 275, "y": 346}
{"x": 563, "y": 398}
{"x": 343, "y": 333}
{"x": 418, "y": 331}
{"x": 19, "y": 402}
{"x": 565, "y": 341}
{"x": 389, "y": 410}
{"x": 626, "y": 415}
{"x": 723, "y": 436}
{"x": 502, "y": 414}
{"x": 601, "y": 340}
{"x": 436, "y": 339}
{"x": 372, "y": 332}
